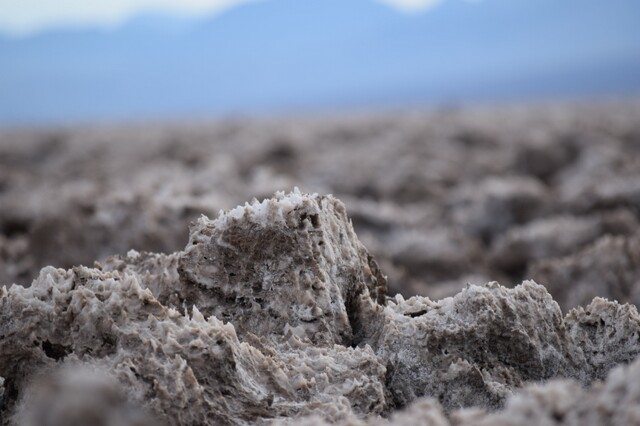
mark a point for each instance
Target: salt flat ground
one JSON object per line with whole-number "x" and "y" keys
{"x": 441, "y": 197}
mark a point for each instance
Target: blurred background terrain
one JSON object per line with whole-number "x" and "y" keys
{"x": 470, "y": 140}
{"x": 442, "y": 197}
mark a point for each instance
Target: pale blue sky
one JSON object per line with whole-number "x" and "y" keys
{"x": 295, "y": 55}
{"x": 26, "y": 17}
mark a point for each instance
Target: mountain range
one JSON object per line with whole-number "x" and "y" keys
{"x": 293, "y": 55}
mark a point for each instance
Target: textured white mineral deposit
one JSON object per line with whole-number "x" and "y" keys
{"x": 275, "y": 311}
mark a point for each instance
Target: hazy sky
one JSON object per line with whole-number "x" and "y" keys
{"x": 20, "y": 17}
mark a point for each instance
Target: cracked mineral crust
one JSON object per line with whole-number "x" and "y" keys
{"x": 275, "y": 312}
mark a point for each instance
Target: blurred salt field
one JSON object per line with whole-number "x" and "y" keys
{"x": 441, "y": 197}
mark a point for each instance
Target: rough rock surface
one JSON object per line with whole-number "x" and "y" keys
{"x": 275, "y": 311}
{"x": 558, "y": 402}
{"x": 291, "y": 261}
{"x": 475, "y": 348}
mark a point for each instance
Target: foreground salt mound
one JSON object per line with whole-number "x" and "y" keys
{"x": 182, "y": 367}
{"x": 558, "y": 402}
{"x": 475, "y": 348}
{"x": 276, "y": 311}
{"x": 292, "y": 263}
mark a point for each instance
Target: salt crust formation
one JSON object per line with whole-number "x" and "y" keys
{"x": 275, "y": 312}
{"x": 440, "y": 197}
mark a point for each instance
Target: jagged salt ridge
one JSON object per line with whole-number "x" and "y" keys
{"x": 275, "y": 311}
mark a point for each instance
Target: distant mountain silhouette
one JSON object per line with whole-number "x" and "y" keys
{"x": 287, "y": 55}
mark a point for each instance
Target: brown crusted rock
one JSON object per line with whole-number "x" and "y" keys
{"x": 289, "y": 263}
{"x": 602, "y": 335}
{"x": 564, "y": 403}
{"x": 275, "y": 311}
{"x": 186, "y": 369}
{"x": 609, "y": 268}
{"x": 474, "y": 348}
{"x": 79, "y": 314}
{"x": 555, "y": 403}
{"x": 613, "y": 402}
{"x": 157, "y": 272}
